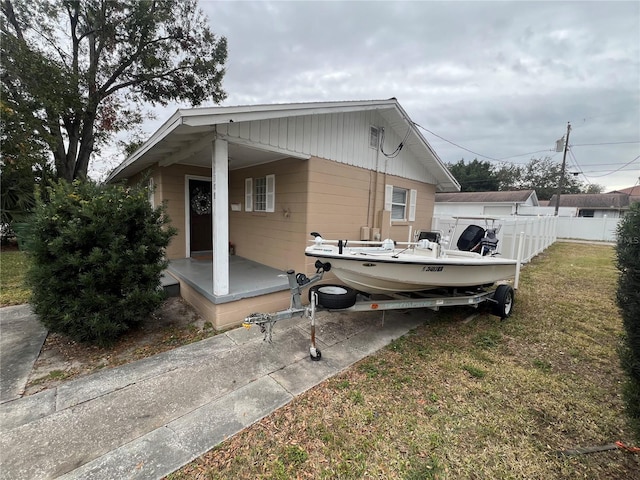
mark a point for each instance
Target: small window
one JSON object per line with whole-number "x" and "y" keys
{"x": 401, "y": 202}
{"x": 260, "y": 194}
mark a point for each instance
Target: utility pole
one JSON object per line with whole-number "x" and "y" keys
{"x": 564, "y": 163}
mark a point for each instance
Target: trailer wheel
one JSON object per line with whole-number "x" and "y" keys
{"x": 504, "y": 299}
{"x": 334, "y": 297}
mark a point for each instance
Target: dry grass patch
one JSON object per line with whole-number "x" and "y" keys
{"x": 451, "y": 400}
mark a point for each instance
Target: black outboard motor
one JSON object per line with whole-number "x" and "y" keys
{"x": 470, "y": 238}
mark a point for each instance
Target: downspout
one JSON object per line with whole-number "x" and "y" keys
{"x": 375, "y": 191}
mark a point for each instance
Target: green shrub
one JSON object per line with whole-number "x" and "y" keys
{"x": 628, "y": 296}
{"x": 97, "y": 255}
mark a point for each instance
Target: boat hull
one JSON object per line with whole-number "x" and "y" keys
{"x": 402, "y": 273}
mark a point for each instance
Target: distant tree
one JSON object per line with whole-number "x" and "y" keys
{"x": 77, "y": 71}
{"x": 475, "y": 176}
{"x": 509, "y": 177}
{"x": 543, "y": 174}
{"x": 594, "y": 188}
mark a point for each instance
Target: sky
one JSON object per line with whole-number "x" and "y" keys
{"x": 496, "y": 81}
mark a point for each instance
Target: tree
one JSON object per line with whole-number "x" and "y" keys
{"x": 594, "y": 188}
{"x": 23, "y": 170}
{"x": 543, "y": 174}
{"x": 97, "y": 253}
{"x": 76, "y": 71}
{"x": 475, "y": 176}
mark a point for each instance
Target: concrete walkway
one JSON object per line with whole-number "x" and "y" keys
{"x": 146, "y": 419}
{"x": 21, "y": 338}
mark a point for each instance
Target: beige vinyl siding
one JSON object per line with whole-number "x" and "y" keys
{"x": 341, "y": 201}
{"x": 172, "y": 182}
{"x": 271, "y": 238}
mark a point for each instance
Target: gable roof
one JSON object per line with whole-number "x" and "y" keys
{"x": 512, "y": 196}
{"x": 187, "y": 128}
{"x": 633, "y": 191}
{"x": 600, "y": 201}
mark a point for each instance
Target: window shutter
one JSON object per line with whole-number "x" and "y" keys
{"x": 248, "y": 195}
{"x": 412, "y": 205}
{"x": 388, "y": 196}
{"x": 271, "y": 193}
{"x": 152, "y": 188}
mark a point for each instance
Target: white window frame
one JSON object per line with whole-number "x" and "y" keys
{"x": 251, "y": 196}
{"x": 409, "y": 207}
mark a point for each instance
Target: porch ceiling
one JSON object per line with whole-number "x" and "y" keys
{"x": 189, "y": 145}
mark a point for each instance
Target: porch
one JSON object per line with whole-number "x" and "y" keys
{"x": 246, "y": 278}
{"x": 253, "y": 287}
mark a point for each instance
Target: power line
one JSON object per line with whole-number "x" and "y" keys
{"x": 604, "y": 143}
{"x": 617, "y": 170}
{"x": 455, "y": 144}
{"x": 503, "y": 159}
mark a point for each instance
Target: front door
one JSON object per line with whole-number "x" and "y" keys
{"x": 200, "y": 208}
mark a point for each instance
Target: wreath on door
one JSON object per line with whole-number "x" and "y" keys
{"x": 201, "y": 202}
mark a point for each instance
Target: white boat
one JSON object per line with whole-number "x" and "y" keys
{"x": 388, "y": 267}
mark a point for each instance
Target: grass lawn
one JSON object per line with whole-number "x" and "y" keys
{"x": 459, "y": 399}
{"x": 13, "y": 265}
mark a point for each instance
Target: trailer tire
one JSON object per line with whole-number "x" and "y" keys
{"x": 333, "y": 296}
{"x": 504, "y": 300}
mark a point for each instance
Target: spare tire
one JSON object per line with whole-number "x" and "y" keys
{"x": 334, "y": 296}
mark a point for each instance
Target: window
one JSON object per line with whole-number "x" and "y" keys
{"x": 398, "y": 204}
{"x": 259, "y": 194}
{"x": 401, "y": 202}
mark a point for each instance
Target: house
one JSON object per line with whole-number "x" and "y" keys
{"x": 484, "y": 203}
{"x": 595, "y": 205}
{"x": 256, "y": 180}
{"x": 632, "y": 192}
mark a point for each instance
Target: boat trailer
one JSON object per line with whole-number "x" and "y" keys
{"x": 338, "y": 297}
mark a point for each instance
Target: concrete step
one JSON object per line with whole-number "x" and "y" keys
{"x": 170, "y": 284}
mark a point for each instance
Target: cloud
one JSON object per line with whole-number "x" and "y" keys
{"x": 501, "y": 78}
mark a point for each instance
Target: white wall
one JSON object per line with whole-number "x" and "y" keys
{"x": 581, "y": 228}
{"x": 535, "y": 211}
{"x": 449, "y": 209}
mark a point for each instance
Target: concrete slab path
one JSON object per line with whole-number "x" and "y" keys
{"x": 21, "y": 338}
{"x": 146, "y": 419}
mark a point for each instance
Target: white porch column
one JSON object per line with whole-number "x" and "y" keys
{"x": 220, "y": 216}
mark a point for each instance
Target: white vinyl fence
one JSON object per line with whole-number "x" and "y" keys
{"x": 581, "y": 228}
{"x": 539, "y": 233}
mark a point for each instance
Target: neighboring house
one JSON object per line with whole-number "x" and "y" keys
{"x": 595, "y": 205}
{"x": 261, "y": 178}
{"x": 632, "y": 192}
{"x": 484, "y": 203}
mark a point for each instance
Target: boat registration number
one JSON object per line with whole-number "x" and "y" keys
{"x": 432, "y": 269}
